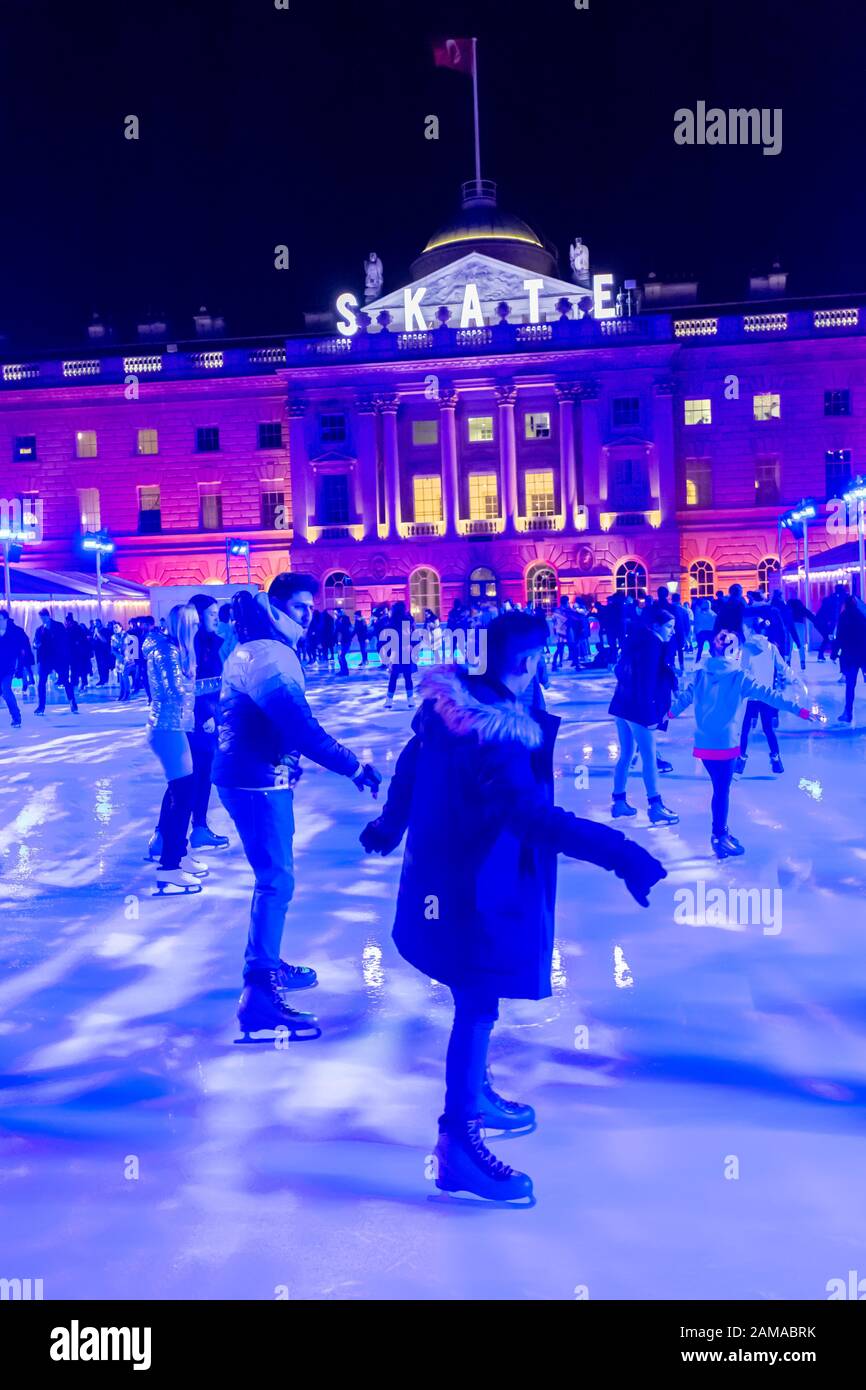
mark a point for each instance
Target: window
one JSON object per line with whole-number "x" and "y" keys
{"x": 766, "y": 482}
{"x": 271, "y": 434}
{"x": 629, "y": 485}
{"x": 149, "y": 510}
{"x": 483, "y": 496}
{"x": 210, "y": 507}
{"x": 340, "y": 592}
{"x": 424, "y": 592}
{"x": 698, "y": 412}
{"x": 207, "y": 439}
{"x": 626, "y": 411}
{"x": 537, "y": 424}
{"x": 148, "y": 442}
{"x": 631, "y": 576}
{"x": 480, "y": 429}
{"x": 699, "y": 483}
{"x": 837, "y": 402}
{"x": 335, "y": 499}
{"x": 88, "y": 509}
{"x": 541, "y": 585}
{"x": 703, "y": 579}
{"x": 837, "y": 471}
{"x": 274, "y": 510}
{"x": 540, "y": 496}
{"x": 767, "y": 405}
{"x": 766, "y": 568}
{"x": 427, "y": 497}
{"x": 24, "y": 448}
{"x": 85, "y": 444}
{"x": 482, "y": 584}
{"x": 425, "y": 432}
{"x": 333, "y": 429}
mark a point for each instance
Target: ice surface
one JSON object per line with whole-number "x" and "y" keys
{"x": 671, "y": 1053}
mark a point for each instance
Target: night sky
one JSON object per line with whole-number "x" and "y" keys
{"x": 261, "y": 126}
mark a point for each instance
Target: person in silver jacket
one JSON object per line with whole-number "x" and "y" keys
{"x": 171, "y": 671}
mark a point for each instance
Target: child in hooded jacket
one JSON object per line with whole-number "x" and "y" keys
{"x": 763, "y": 661}
{"x": 720, "y": 689}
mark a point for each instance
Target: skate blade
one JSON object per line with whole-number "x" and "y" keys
{"x": 303, "y": 1032}
{"x": 171, "y": 890}
{"x": 463, "y": 1197}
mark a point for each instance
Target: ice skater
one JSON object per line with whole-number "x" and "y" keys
{"x": 203, "y": 738}
{"x": 645, "y": 683}
{"x": 170, "y": 660}
{"x": 51, "y": 642}
{"x": 265, "y": 725}
{"x": 720, "y": 690}
{"x": 400, "y": 629}
{"x": 851, "y": 641}
{"x": 475, "y": 907}
{"x": 763, "y": 661}
{"x": 12, "y": 655}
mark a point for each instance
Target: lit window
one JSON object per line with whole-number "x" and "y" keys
{"x": 837, "y": 471}
{"x": 24, "y": 448}
{"x": 483, "y": 496}
{"x": 766, "y": 482}
{"x": 480, "y": 429}
{"x": 767, "y": 405}
{"x": 333, "y": 429}
{"x": 85, "y": 444}
{"x": 274, "y": 511}
{"x": 427, "y": 495}
{"x": 626, "y": 410}
{"x": 149, "y": 510}
{"x": 148, "y": 441}
{"x": 631, "y": 577}
{"x": 271, "y": 434}
{"x": 335, "y": 499}
{"x": 207, "y": 439}
{"x": 703, "y": 579}
{"x": 837, "y": 402}
{"x": 425, "y": 431}
{"x": 698, "y": 412}
{"x": 211, "y": 507}
{"x": 538, "y": 425}
{"x": 699, "y": 483}
{"x": 766, "y": 568}
{"x": 88, "y": 509}
{"x": 540, "y": 499}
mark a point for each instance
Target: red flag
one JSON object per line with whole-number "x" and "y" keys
{"x": 456, "y": 54}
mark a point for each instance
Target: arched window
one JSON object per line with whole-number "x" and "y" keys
{"x": 703, "y": 579}
{"x": 424, "y": 592}
{"x": 631, "y": 576}
{"x": 767, "y": 567}
{"x": 340, "y": 592}
{"x": 482, "y": 584}
{"x": 541, "y": 585}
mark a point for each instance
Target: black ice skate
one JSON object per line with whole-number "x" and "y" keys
{"x": 203, "y": 837}
{"x": 726, "y": 847}
{"x": 660, "y": 814}
{"x": 465, "y": 1164}
{"x": 776, "y": 763}
{"x": 621, "y": 808}
{"x": 297, "y": 976}
{"x": 740, "y": 765}
{"x": 262, "y": 1009}
{"x": 495, "y": 1112}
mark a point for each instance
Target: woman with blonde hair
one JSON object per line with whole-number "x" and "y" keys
{"x": 170, "y": 658}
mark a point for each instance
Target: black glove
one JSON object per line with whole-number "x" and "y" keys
{"x": 377, "y": 838}
{"x": 367, "y": 776}
{"x": 639, "y": 871}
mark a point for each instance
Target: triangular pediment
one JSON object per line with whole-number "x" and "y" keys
{"x": 496, "y": 281}
{"x": 332, "y": 456}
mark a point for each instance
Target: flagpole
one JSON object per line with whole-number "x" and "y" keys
{"x": 475, "y": 104}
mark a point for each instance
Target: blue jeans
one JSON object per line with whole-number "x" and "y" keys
{"x": 631, "y": 734}
{"x": 265, "y": 822}
{"x": 475, "y": 1012}
{"x": 11, "y": 702}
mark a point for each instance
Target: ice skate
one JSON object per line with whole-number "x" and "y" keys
{"x": 740, "y": 765}
{"x": 154, "y": 846}
{"x": 203, "y": 837}
{"x": 495, "y": 1112}
{"x": 261, "y": 1008}
{"x": 662, "y": 765}
{"x": 175, "y": 881}
{"x": 410, "y": 701}
{"x": 297, "y": 976}
{"x": 776, "y": 762}
{"x": 194, "y": 866}
{"x": 16, "y": 724}
{"x": 726, "y": 847}
{"x": 389, "y": 703}
{"x": 621, "y": 808}
{"x": 845, "y": 718}
{"x": 660, "y": 814}
{"x": 465, "y": 1164}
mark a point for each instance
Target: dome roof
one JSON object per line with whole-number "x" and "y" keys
{"x": 483, "y": 222}
{"x": 481, "y": 225}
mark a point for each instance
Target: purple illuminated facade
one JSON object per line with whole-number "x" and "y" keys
{"x": 513, "y": 457}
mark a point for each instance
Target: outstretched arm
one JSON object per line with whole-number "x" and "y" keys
{"x": 385, "y": 833}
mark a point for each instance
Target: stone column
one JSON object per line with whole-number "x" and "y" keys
{"x": 506, "y": 395}
{"x": 663, "y": 477}
{"x": 367, "y": 468}
{"x": 567, "y": 392}
{"x": 590, "y": 449}
{"x": 299, "y": 467}
{"x": 448, "y": 454}
{"x": 388, "y": 406}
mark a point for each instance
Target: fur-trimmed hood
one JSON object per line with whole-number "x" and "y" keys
{"x": 463, "y": 714}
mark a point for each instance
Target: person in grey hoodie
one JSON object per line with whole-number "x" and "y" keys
{"x": 720, "y": 690}
{"x": 763, "y": 661}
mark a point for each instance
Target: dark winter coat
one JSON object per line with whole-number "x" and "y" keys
{"x": 208, "y": 675}
{"x": 52, "y": 648}
{"x": 15, "y": 651}
{"x": 474, "y": 787}
{"x": 645, "y": 682}
{"x": 851, "y": 638}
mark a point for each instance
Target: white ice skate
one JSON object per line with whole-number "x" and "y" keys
{"x": 194, "y": 866}
{"x": 175, "y": 881}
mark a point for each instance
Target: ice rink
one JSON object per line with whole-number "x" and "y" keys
{"x": 699, "y": 1083}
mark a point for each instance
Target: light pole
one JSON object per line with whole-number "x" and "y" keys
{"x": 797, "y": 522}
{"x": 857, "y": 493}
{"x": 234, "y": 546}
{"x": 99, "y": 544}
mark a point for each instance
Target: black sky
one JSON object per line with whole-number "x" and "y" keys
{"x": 306, "y": 127}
